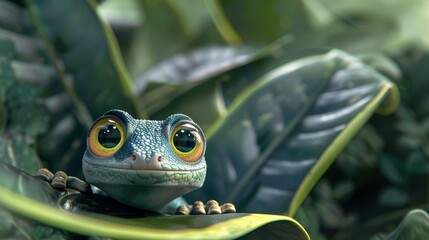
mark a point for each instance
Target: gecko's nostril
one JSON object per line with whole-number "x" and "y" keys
{"x": 159, "y": 158}
{"x": 133, "y": 157}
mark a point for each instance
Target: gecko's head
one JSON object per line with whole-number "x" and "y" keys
{"x": 145, "y": 163}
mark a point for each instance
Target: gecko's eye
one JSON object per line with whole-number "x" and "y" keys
{"x": 106, "y": 137}
{"x": 187, "y": 142}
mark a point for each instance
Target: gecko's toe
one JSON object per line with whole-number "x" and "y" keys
{"x": 198, "y": 208}
{"x": 78, "y": 184}
{"x": 228, "y": 208}
{"x": 45, "y": 175}
{"x": 60, "y": 180}
{"x": 183, "y": 210}
{"x": 212, "y": 207}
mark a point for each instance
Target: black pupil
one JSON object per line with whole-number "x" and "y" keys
{"x": 109, "y": 136}
{"x": 184, "y": 140}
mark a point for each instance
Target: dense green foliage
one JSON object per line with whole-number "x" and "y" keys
{"x": 62, "y": 66}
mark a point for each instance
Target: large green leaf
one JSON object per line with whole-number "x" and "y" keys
{"x": 196, "y": 65}
{"x": 282, "y": 132}
{"x": 36, "y": 200}
{"x": 165, "y": 27}
{"x": 199, "y": 76}
{"x": 65, "y": 66}
{"x": 23, "y": 73}
{"x": 96, "y": 59}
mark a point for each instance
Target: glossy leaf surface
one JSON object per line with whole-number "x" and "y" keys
{"x": 34, "y": 199}
{"x": 198, "y": 76}
{"x": 282, "y": 133}
{"x": 196, "y": 65}
{"x": 415, "y": 225}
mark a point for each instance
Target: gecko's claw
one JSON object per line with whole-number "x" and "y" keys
{"x": 45, "y": 175}
{"x": 183, "y": 210}
{"x": 78, "y": 184}
{"x": 228, "y": 208}
{"x": 198, "y": 208}
{"x": 60, "y": 180}
{"x": 211, "y": 207}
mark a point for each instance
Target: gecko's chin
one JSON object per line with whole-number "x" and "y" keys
{"x": 147, "y": 189}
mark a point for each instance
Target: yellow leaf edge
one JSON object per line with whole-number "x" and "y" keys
{"x": 385, "y": 102}
{"x": 118, "y": 229}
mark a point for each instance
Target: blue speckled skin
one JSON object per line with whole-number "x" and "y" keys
{"x": 144, "y": 180}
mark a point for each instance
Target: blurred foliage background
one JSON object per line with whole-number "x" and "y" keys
{"x": 383, "y": 172}
{"x": 377, "y": 179}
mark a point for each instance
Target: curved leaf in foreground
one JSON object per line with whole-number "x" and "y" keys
{"x": 22, "y": 195}
{"x": 415, "y": 225}
{"x": 283, "y": 132}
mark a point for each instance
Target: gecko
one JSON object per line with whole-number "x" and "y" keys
{"x": 147, "y": 164}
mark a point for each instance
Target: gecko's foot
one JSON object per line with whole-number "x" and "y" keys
{"x": 211, "y": 207}
{"x": 60, "y": 180}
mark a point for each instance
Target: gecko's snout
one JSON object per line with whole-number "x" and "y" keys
{"x": 142, "y": 162}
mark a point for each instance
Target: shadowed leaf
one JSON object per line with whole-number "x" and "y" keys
{"x": 281, "y": 134}
{"x": 36, "y": 200}
{"x": 67, "y": 64}
{"x": 415, "y": 225}
{"x": 196, "y": 65}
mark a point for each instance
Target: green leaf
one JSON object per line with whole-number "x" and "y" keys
{"x": 344, "y": 190}
{"x": 404, "y": 18}
{"x": 152, "y": 41}
{"x": 196, "y": 65}
{"x": 393, "y": 197}
{"x": 279, "y": 18}
{"x": 393, "y": 169}
{"x": 60, "y": 67}
{"x": 24, "y": 195}
{"x": 417, "y": 163}
{"x": 194, "y": 74}
{"x": 213, "y": 91}
{"x": 20, "y": 155}
{"x": 415, "y": 225}
{"x": 309, "y": 218}
{"x": 282, "y": 132}
{"x": 97, "y": 59}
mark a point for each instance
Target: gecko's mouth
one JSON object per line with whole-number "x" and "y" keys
{"x": 144, "y": 169}
{"x": 157, "y": 170}
{"x": 96, "y": 174}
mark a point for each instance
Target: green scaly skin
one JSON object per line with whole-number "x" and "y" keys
{"x": 146, "y": 172}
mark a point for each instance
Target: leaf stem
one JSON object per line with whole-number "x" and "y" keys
{"x": 118, "y": 63}
{"x": 83, "y": 113}
{"x": 221, "y": 22}
{"x": 266, "y": 153}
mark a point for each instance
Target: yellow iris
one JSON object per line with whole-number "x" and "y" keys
{"x": 194, "y": 153}
{"x": 107, "y": 125}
